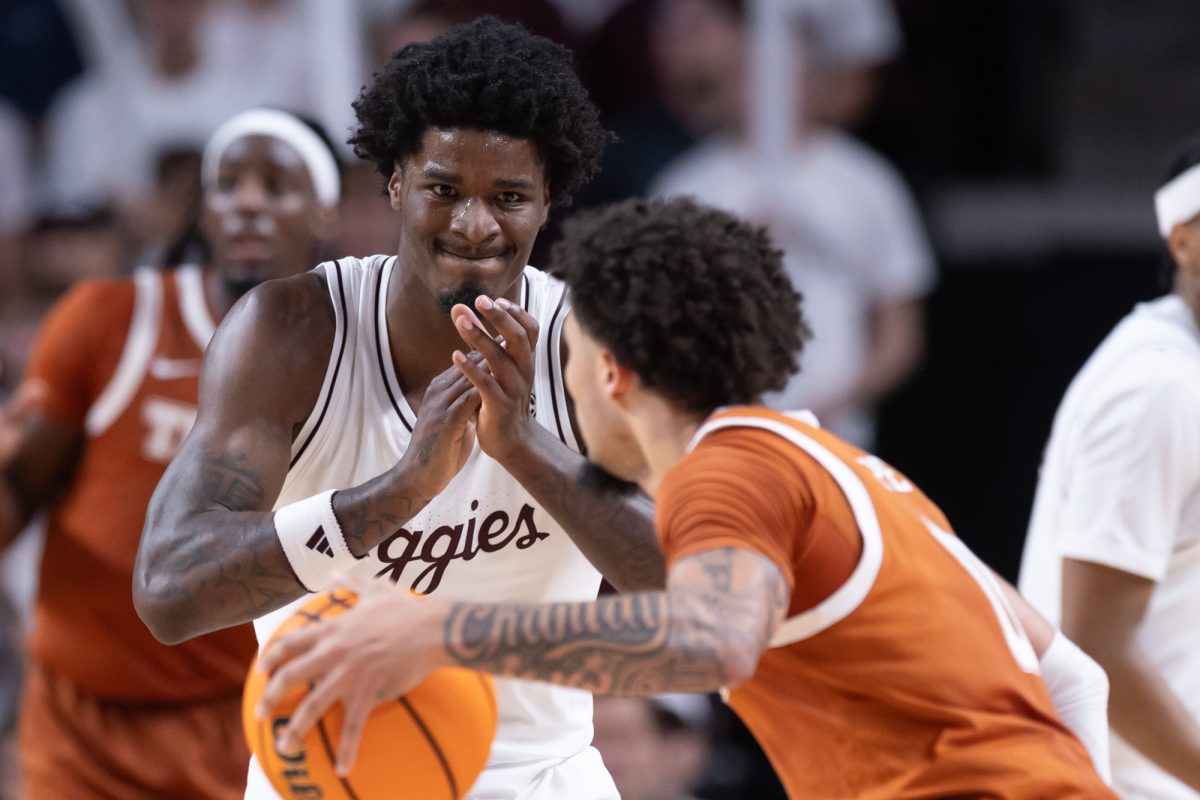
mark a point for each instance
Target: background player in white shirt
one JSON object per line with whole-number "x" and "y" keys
{"x": 332, "y": 399}
{"x": 1114, "y": 544}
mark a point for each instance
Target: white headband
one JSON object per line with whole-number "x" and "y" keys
{"x": 1178, "y": 200}
{"x": 286, "y": 128}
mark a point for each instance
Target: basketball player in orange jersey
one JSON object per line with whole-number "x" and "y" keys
{"x": 865, "y": 647}
{"x": 108, "y": 712}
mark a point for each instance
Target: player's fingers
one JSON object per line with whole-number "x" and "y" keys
{"x": 354, "y": 720}
{"x": 484, "y": 381}
{"x": 465, "y": 407}
{"x": 298, "y": 672}
{"x": 321, "y": 695}
{"x": 517, "y": 341}
{"x": 523, "y": 318}
{"x": 285, "y": 648}
{"x": 500, "y": 358}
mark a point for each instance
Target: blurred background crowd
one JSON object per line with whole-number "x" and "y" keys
{"x": 964, "y": 197}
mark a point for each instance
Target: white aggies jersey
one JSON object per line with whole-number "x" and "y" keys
{"x": 484, "y": 538}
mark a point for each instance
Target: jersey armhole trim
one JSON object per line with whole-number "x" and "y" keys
{"x": 313, "y": 423}
{"x": 554, "y": 367}
{"x": 135, "y": 357}
{"x": 850, "y": 595}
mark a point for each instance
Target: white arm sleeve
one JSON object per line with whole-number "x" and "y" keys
{"x": 1079, "y": 688}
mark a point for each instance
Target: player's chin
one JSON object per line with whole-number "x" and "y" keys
{"x": 242, "y": 276}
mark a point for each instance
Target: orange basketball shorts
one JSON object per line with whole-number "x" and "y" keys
{"x": 75, "y": 746}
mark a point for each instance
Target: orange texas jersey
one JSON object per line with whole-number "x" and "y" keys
{"x": 900, "y": 671}
{"x": 121, "y": 360}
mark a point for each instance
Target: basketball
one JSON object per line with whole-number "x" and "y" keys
{"x": 430, "y": 744}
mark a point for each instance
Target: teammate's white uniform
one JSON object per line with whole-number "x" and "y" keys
{"x": 484, "y": 538}
{"x": 1120, "y": 486}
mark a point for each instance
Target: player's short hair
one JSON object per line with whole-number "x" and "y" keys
{"x": 692, "y": 299}
{"x": 485, "y": 75}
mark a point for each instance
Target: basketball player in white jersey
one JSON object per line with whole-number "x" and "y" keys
{"x": 1113, "y": 549}
{"x": 335, "y": 432}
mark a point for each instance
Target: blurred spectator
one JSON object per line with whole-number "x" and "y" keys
{"x": 38, "y": 54}
{"x": 15, "y": 195}
{"x": 169, "y": 73}
{"x": 660, "y": 72}
{"x": 58, "y": 252}
{"x": 395, "y": 25}
{"x": 655, "y": 748}
{"x": 850, "y": 229}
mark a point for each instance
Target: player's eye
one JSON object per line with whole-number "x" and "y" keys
{"x": 442, "y": 190}
{"x": 510, "y": 198}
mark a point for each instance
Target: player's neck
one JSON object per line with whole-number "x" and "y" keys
{"x": 663, "y": 434}
{"x": 1188, "y": 289}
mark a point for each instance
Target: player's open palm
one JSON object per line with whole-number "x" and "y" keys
{"x": 444, "y": 435}
{"x": 364, "y": 657}
{"x": 505, "y": 378}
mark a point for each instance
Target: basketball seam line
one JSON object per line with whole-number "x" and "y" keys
{"x": 345, "y": 782}
{"x": 333, "y": 602}
{"x": 437, "y": 751}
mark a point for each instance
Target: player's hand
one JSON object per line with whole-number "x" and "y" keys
{"x": 369, "y": 655}
{"x": 444, "y": 435}
{"x": 505, "y": 381}
{"x": 13, "y": 415}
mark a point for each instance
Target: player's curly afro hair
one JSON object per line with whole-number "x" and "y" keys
{"x": 486, "y": 75}
{"x": 693, "y": 300}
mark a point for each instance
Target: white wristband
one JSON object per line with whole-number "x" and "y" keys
{"x": 312, "y": 541}
{"x": 1079, "y": 688}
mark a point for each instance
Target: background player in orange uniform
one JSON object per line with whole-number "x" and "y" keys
{"x": 108, "y": 712}
{"x": 871, "y": 654}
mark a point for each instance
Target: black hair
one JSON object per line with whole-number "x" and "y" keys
{"x": 484, "y": 75}
{"x": 692, "y": 299}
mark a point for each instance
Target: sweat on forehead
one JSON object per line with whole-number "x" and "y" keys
{"x": 285, "y": 128}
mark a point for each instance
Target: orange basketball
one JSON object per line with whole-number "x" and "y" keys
{"x": 430, "y": 744}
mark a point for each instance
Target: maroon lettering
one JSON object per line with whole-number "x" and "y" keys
{"x": 432, "y": 553}
{"x": 525, "y": 520}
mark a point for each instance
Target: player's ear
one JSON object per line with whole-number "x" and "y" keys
{"x": 616, "y": 378}
{"x": 393, "y": 186}
{"x": 546, "y": 207}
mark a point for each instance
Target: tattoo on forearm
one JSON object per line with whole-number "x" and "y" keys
{"x": 207, "y": 585}
{"x": 632, "y": 644}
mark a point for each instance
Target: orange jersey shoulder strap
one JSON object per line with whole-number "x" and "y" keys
{"x": 850, "y": 594}
{"x": 139, "y": 348}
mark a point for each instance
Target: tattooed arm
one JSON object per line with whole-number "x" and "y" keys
{"x": 706, "y": 631}
{"x": 210, "y": 556}
{"x": 612, "y": 523}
